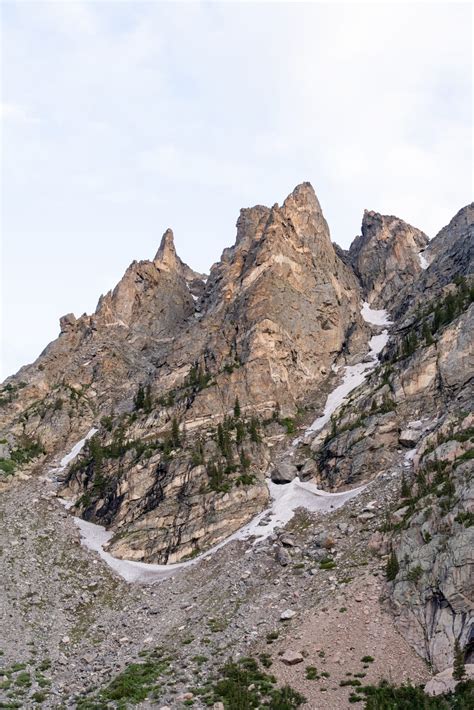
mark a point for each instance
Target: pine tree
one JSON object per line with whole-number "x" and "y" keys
{"x": 220, "y": 437}
{"x": 427, "y": 334}
{"x": 239, "y": 432}
{"x": 392, "y": 566}
{"x": 175, "y": 437}
{"x": 139, "y": 398}
{"x": 147, "y": 400}
{"x": 237, "y": 408}
{"x": 405, "y": 488}
{"x": 459, "y": 668}
{"x": 253, "y": 430}
{"x": 437, "y": 318}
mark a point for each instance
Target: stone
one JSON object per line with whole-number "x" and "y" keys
{"x": 284, "y": 473}
{"x": 287, "y": 615}
{"x": 386, "y": 258}
{"x": 409, "y": 437}
{"x": 291, "y": 658}
{"x": 283, "y": 557}
{"x": 287, "y": 540}
{"x": 444, "y": 682}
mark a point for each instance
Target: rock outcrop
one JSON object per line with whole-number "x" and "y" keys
{"x": 386, "y": 257}
{"x": 195, "y": 385}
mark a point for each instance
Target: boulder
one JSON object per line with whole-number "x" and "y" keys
{"x": 284, "y": 472}
{"x": 287, "y": 615}
{"x": 444, "y": 682}
{"x": 291, "y": 658}
{"x": 283, "y": 557}
{"x": 409, "y": 437}
{"x": 309, "y": 470}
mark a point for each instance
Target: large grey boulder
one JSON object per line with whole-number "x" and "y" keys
{"x": 409, "y": 437}
{"x": 284, "y": 472}
{"x": 444, "y": 682}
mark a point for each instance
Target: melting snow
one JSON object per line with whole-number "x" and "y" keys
{"x": 375, "y": 317}
{"x": 423, "y": 261}
{"x": 354, "y": 375}
{"x": 285, "y": 498}
{"x": 408, "y": 458}
{"x": 76, "y": 449}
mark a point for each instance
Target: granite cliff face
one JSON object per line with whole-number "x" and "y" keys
{"x": 197, "y": 386}
{"x": 386, "y": 257}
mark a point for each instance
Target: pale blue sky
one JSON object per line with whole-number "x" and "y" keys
{"x": 120, "y": 119}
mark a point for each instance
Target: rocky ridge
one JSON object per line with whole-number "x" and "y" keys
{"x": 198, "y": 386}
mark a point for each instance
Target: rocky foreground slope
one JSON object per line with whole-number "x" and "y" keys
{"x": 192, "y": 390}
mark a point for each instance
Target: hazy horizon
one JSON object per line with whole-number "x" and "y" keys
{"x": 120, "y": 120}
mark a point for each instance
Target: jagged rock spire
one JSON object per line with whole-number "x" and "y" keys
{"x": 166, "y": 257}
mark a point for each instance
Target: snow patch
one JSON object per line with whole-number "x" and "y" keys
{"x": 354, "y": 375}
{"x": 373, "y": 316}
{"x": 408, "y": 458}
{"x": 423, "y": 261}
{"x": 76, "y": 449}
{"x": 285, "y": 500}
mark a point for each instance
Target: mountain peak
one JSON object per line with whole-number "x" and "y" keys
{"x": 386, "y": 257}
{"x": 166, "y": 257}
{"x": 304, "y": 198}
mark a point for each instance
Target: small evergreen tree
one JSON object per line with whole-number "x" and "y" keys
{"x": 139, "y": 399}
{"x": 427, "y": 334}
{"x": 459, "y": 667}
{"x": 147, "y": 400}
{"x": 392, "y": 566}
{"x": 237, "y": 408}
{"x": 254, "y": 430}
{"x": 203, "y": 379}
{"x": 239, "y": 432}
{"x": 405, "y": 487}
{"x": 175, "y": 436}
{"x": 437, "y": 318}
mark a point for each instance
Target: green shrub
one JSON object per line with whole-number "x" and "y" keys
{"x": 409, "y": 697}
{"x": 393, "y": 567}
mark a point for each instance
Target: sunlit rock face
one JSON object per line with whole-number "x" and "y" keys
{"x": 386, "y": 258}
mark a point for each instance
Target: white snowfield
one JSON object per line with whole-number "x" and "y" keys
{"x": 354, "y": 375}
{"x": 423, "y": 261}
{"x": 76, "y": 449}
{"x": 375, "y": 317}
{"x": 286, "y": 498}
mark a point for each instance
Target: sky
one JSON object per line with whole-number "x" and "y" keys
{"x": 120, "y": 119}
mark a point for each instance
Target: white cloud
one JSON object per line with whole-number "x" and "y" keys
{"x": 16, "y": 113}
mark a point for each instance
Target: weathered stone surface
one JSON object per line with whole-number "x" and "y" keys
{"x": 283, "y": 556}
{"x": 409, "y": 437}
{"x": 284, "y": 472}
{"x": 444, "y": 682}
{"x": 291, "y": 658}
{"x": 386, "y": 257}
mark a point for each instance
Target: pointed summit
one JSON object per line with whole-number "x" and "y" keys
{"x": 303, "y": 209}
{"x": 166, "y": 257}
{"x": 386, "y": 257}
{"x": 303, "y": 198}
